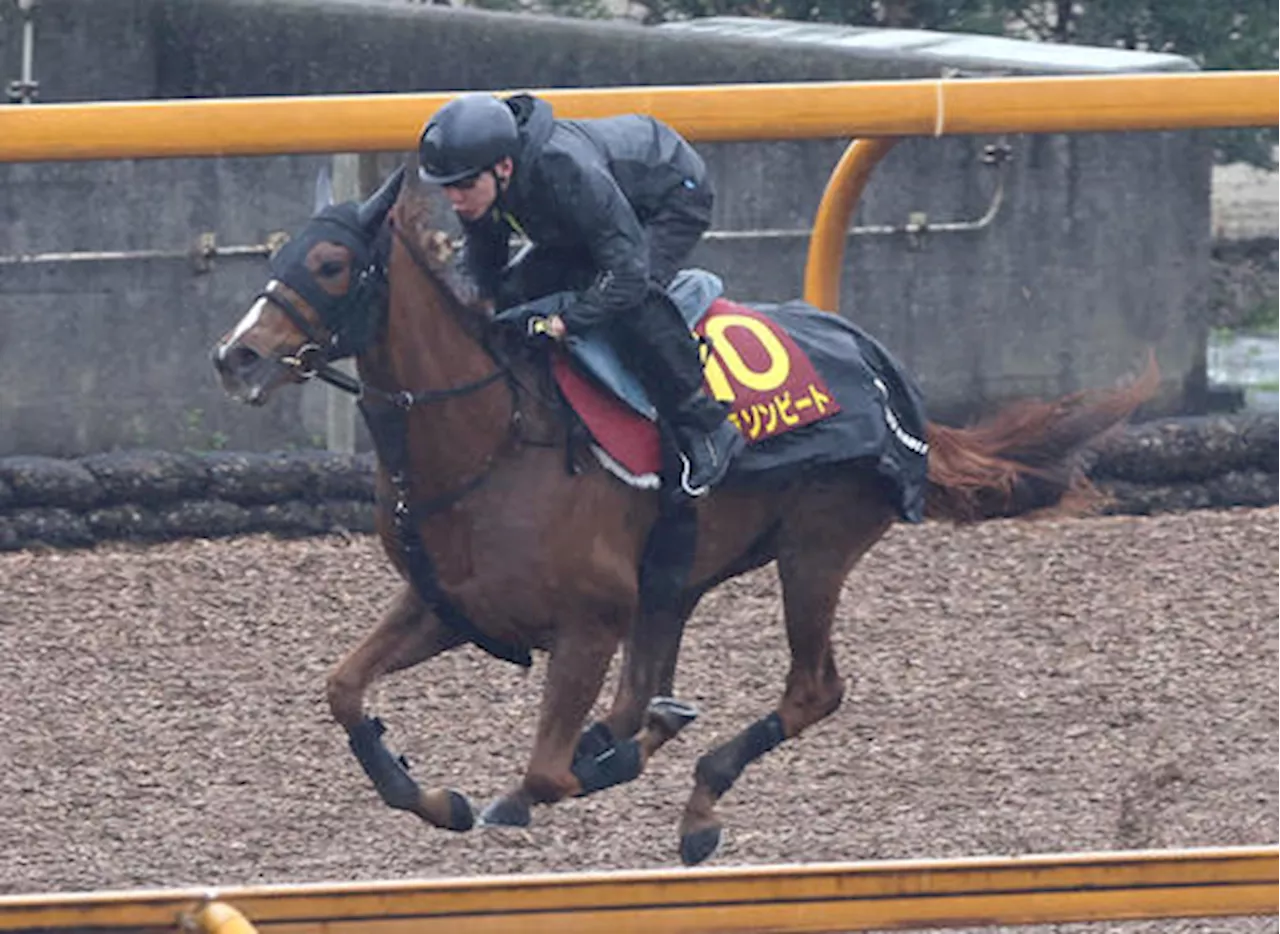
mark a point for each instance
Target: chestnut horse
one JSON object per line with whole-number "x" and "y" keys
{"x": 502, "y": 545}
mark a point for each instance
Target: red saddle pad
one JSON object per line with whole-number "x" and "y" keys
{"x": 629, "y": 438}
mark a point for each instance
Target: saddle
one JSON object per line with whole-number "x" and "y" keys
{"x": 753, "y": 364}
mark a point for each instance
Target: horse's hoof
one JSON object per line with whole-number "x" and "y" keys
{"x": 462, "y": 817}
{"x": 699, "y": 844}
{"x": 506, "y": 812}
{"x": 671, "y": 715}
{"x": 446, "y": 809}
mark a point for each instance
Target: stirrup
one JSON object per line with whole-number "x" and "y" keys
{"x": 686, "y": 468}
{"x": 720, "y": 459}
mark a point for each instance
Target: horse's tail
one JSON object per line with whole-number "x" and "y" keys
{"x": 1027, "y": 457}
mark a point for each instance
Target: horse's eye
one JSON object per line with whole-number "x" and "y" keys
{"x": 331, "y": 268}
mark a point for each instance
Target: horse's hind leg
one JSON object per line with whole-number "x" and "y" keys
{"x": 409, "y": 633}
{"x": 644, "y": 703}
{"x": 820, "y": 544}
{"x": 610, "y": 748}
{"x": 653, "y": 642}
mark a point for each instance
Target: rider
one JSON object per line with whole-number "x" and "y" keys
{"x": 612, "y": 206}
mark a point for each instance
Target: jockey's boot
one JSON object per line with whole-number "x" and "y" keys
{"x": 666, "y": 359}
{"x": 708, "y": 442}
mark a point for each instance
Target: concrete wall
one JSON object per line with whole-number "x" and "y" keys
{"x": 1100, "y": 249}
{"x": 1097, "y": 252}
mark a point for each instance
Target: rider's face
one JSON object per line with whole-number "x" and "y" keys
{"x": 473, "y": 197}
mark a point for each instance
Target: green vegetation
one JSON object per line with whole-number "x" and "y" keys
{"x": 1264, "y": 317}
{"x": 1224, "y": 34}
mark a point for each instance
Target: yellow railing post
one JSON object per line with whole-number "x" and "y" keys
{"x": 831, "y": 225}
{"x": 220, "y": 918}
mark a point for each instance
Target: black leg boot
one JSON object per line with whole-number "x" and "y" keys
{"x": 658, "y": 344}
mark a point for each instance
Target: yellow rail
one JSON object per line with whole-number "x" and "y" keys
{"x": 887, "y": 109}
{"x": 391, "y": 122}
{"x": 796, "y": 899}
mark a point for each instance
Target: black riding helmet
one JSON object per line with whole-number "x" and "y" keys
{"x": 466, "y": 136}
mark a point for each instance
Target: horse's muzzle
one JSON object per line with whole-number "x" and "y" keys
{"x": 245, "y": 375}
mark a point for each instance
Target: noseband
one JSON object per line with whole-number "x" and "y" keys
{"x": 312, "y": 359}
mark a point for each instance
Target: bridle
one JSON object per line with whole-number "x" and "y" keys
{"x": 361, "y": 308}
{"x": 311, "y": 360}
{"x": 348, "y": 325}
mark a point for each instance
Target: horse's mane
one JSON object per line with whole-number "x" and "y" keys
{"x": 437, "y": 252}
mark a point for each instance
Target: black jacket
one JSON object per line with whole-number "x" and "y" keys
{"x": 585, "y": 188}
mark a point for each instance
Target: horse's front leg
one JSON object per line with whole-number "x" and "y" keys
{"x": 408, "y": 634}
{"x": 575, "y": 673}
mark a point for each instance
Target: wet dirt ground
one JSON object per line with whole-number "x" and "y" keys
{"x": 1014, "y": 687}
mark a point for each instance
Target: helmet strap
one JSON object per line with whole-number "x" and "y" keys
{"x": 499, "y": 190}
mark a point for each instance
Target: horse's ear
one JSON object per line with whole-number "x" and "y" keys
{"x": 324, "y": 189}
{"x": 375, "y": 209}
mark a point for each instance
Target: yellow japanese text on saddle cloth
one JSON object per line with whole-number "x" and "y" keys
{"x": 757, "y": 368}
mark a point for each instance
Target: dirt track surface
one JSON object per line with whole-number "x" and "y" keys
{"x": 1015, "y": 687}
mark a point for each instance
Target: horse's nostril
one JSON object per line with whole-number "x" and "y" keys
{"x": 239, "y": 358}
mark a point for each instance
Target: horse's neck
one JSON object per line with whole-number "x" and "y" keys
{"x": 431, "y": 338}
{"x": 431, "y": 343}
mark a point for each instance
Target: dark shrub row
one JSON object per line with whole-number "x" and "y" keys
{"x": 1159, "y": 466}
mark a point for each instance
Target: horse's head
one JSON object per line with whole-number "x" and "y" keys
{"x": 319, "y": 304}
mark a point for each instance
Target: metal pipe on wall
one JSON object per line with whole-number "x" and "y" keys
{"x": 25, "y": 88}
{"x": 201, "y": 254}
{"x": 917, "y": 223}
